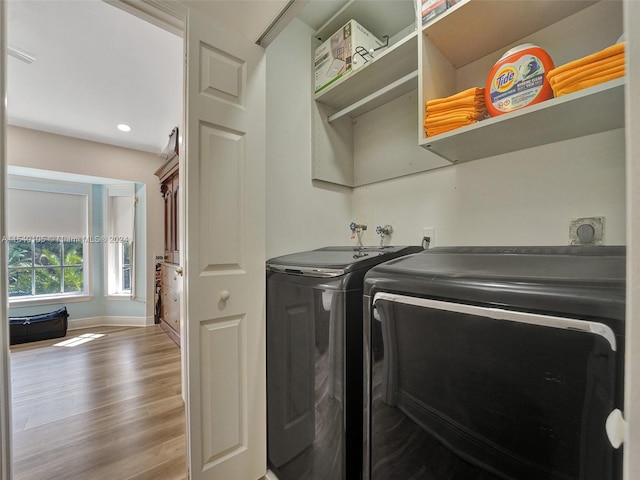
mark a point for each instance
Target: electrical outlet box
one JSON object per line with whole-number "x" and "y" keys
{"x": 586, "y": 231}
{"x": 429, "y": 232}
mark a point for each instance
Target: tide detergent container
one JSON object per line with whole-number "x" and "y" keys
{"x": 518, "y": 79}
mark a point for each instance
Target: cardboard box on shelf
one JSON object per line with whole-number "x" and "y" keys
{"x": 433, "y": 8}
{"x": 344, "y": 52}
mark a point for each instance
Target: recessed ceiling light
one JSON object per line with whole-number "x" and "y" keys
{"x": 123, "y": 127}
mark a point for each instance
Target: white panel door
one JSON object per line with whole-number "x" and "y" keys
{"x": 224, "y": 259}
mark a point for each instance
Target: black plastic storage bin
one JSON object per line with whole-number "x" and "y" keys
{"x": 38, "y": 327}
{"x": 495, "y": 363}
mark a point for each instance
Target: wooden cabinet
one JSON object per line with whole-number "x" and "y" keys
{"x": 170, "y": 290}
{"x": 170, "y": 273}
{"x": 169, "y": 189}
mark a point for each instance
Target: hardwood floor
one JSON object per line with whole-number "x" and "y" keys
{"x": 110, "y": 408}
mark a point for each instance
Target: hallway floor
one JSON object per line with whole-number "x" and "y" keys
{"x": 107, "y": 406}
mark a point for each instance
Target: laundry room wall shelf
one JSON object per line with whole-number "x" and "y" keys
{"x": 453, "y": 41}
{"x": 365, "y": 126}
{"x": 374, "y": 104}
{"x": 594, "y": 110}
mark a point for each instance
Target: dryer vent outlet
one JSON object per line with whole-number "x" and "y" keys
{"x": 586, "y": 231}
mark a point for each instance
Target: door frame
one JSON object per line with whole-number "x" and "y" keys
{"x": 167, "y": 14}
{"x": 5, "y": 391}
{"x": 631, "y": 428}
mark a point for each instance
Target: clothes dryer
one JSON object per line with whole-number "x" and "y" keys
{"x": 495, "y": 363}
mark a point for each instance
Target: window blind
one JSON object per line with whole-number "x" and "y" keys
{"x": 34, "y": 213}
{"x": 120, "y": 227}
{"x": 120, "y": 208}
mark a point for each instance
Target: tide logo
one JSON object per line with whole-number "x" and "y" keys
{"x": 504, "y": 79}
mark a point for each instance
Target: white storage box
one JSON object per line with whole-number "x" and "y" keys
{"x": 345, "y": 51}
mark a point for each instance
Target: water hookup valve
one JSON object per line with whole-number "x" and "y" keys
{"x": 384, "y": 232}
{"x": 356, "y": 231}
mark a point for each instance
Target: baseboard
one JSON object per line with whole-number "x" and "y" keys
{"x": 78, "y": 323}
{"x": 270, "y": 476}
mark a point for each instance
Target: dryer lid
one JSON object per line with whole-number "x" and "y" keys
{"x": 336, "y": 261}
{"x": 584, "y": 281}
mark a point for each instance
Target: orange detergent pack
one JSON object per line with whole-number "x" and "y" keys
{"x": 518, "y": 79}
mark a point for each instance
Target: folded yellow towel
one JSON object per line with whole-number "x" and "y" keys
{"x": 555, "y": 78}
{"x": 587, "y": 77}
{"x": 470, "y": 92}
{"x": 590, "y": 81}
{"x": 431, "y": 131}
{"x": 611, "y": 51}
{"x": 454, "y": 118}
{"x": 463, "y": 102}
{"x": 455, "y": 111}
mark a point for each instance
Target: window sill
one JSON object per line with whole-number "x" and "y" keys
{"x": 115, "y": 296}
{"x": 48, "y": 300}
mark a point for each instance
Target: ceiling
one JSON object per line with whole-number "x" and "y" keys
{"x": 97, "y": 66}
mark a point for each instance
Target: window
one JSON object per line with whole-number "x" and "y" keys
{"x": 47, "y": 226}
{"x": 119, "y": 261}
{"x": 45, "y": 267}
{"x": 125, "y": 266}
{"x": 119, "y": 230}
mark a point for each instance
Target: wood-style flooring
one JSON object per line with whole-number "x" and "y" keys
{"x": 107, "y": 409}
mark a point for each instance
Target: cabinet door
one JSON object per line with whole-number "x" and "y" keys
{"x": 175, "y": 236}
{"x": 171, "y": 289}
{"x": 171, "y": 194}
{"x": 167, "y": 195}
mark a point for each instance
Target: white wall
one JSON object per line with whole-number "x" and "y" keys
{"x": 523, "y": 198}
{"x": 301, "y": 214}
{"x": 46, "y": 151}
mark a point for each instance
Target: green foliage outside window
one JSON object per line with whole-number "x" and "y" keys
{"x": 126, "y": 266}
{"x": 45, "y": 267}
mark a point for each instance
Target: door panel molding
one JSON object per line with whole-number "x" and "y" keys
{"x": 223, "y": 383}
{"x": 223, "y": 76}
{"x": 221, "y": 164}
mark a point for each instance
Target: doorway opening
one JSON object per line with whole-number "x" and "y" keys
{"x": 76, "y": 70}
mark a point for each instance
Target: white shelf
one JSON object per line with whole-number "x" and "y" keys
{"x": 472, "y": 29}
{"x": 390, "y": 65}
{"x": 592, "y": 110}
{"x": 380, "y": 97}
{"x": 381, "y": 92}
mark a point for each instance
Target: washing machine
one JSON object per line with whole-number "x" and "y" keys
{"x": 314, "y": 360}
{"x": 495, "y": 363}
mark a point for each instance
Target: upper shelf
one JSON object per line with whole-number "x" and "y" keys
{"x": 592, "y": 110}
{"x": 460, "y": 33}
{"x": 380, "y": 18}
{"x": 394, "y": 63}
